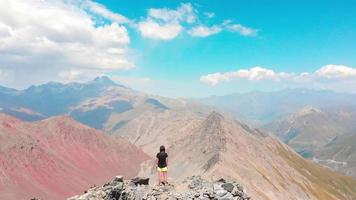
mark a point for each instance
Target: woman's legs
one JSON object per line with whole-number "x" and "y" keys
{"x": 165, "y": 177}
{"x": 159, "y": 177}
{"x": 162, "y": 177}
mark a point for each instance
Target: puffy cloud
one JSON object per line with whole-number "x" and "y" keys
{"x": 101, "y": 10}
{"x": 44, "y": 39}
{"x": 154, "y": 30}
{"x": 204, "y": 31}
{"x": 243, "y": 30}
{"x": 184, "y": 13}
{"x": 5, "y": 31}
{"x": 336, "y": 72}
{"x": 215, "y": 78}
{"x": 327, "y": 74}
{"x": 254, "y": 73}
{"x": 167, "y": 24}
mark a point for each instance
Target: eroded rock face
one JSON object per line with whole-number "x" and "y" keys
{"x": 191, "y": 188}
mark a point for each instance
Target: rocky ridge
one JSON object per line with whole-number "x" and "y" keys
{"x": 191, "y": 188}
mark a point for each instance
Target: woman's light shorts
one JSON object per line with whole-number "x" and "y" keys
{"x": 164, "y": 169}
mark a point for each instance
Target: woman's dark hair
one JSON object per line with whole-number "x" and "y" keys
{"x": 162, "y": 149}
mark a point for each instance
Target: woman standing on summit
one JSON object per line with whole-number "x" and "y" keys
{"x": 162, "y": 163}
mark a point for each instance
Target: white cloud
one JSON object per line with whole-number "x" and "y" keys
{"x": 44, "y": 39}
{"x": 184, "y": 13}
{"x": 254, "y": 73}
{"x": 101, "y": 10}
{"x": 167, "y": 24}
{"x": 70, "y": 75}
{"x": 204, "y": 31}
{"x": 239, "y": 28}
{"x": 336, "y": 72}
{"x": 154, "y": 30}
{"x": 328, "y": 76}
{"x": 215, "y": 78}
{"x": 5, "y": 31}
{"x": 209, "y": 14}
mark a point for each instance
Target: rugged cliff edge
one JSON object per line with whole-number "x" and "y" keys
{"x": 191, "y": 188}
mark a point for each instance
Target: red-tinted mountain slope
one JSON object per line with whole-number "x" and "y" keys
{"x": 59, "y": 157}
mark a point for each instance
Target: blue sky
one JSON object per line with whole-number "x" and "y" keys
{"x": 240, "y": 46}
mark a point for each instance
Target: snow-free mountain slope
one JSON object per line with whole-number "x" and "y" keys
{"x": 311, "y": 128}
{"x": 326, "y": 137}
{"x": 340, "y": 154}
{"x": 218, "y": 146}
{"x": 59, "y": 157}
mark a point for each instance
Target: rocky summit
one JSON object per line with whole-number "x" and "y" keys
{"x": 191, "y": 188}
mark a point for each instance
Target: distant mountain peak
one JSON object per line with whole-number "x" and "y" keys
{"x": 307, "y": 110}
{"x": 104, "y": 80}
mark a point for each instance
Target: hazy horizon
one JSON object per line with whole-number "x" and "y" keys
{"x": 192, "y": 97}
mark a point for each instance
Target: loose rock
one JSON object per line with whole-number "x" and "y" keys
{"x": 138, "y": 189}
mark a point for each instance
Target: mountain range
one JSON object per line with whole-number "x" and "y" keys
{"x": 199, "y": 140}
{"x": 260, "y": 108}
{"x": 326, "y": 137}
{"x": 91, "y": 103}
{"x": 340, "y": 154}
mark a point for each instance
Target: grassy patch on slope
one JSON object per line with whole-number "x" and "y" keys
{"x": 326, "y": 184}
